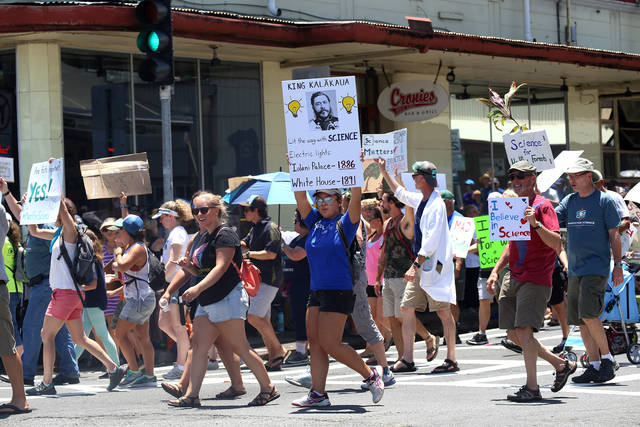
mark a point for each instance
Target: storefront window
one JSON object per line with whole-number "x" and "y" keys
{"x": 620, "y": 136}
{"x": 8, "y": 113}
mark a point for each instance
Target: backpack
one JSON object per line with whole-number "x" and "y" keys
{"x": 355, "y": 255}
{"x": 20, "y": 275}
{"x": 248, "y": 273}
{"x": 156, "y": 281}
{"x": 81, "y": 268}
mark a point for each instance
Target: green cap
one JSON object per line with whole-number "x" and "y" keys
{"x": 446, "y": 195}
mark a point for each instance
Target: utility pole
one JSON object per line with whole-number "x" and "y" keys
{"x": 167, "y": 148}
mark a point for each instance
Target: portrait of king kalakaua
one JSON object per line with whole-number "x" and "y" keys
{"x": 323, "y": 116}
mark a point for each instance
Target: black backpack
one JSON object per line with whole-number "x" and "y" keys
{"x": 156, "y": 272}
{"x": 354, "y": 254}
{"x": 81, "y": 267}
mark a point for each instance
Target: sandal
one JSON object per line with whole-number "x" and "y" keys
{"x": 448, "y": 366}
{"x": 407, "y": 367}
{"x": 265, "y": 397}
{"x": 172, "y": 389}
{"x": 185, "y": 402}
{"x": 230, "y": 393}
{"x": 432, "y": 352}
{"x": 275, "y": 364}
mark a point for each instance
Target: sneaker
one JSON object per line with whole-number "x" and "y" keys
{"x": 312, "y": 399}
{"x": 563, "y": 376}
{"x": 116, "y": 377}
{"x": 387, "y": 378}
{"x": 174, "y": 374}
{"x": 63, "y": 379}
{"x": 130, "y": 377}
{"x": 303, "y": 380}
{"x": 589, "y": 375}
{"x": 607, "y": 371}
{"x": 478, "y": 339}
{"x": 525, "y": 395}
{"x": 510, "y": 345}
{"x": 144, "y": 381}
{"x": 297, "y": 359}
{"x": 376, "y": 386}
{"x": 41, "y": 390}
{"x": 212, "y": 365}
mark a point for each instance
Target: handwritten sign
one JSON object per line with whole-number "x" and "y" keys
{"x": 461, "y": 233}
{"x": 323, "y": 133}
{"x": 530, "y": 145}
{"x": 506, "y": 218}
{"x": 391, "y": 146}
{"x": 43, "y": 193}
{"x": 6, "y": 169}
{"x": 547, "y": 177}
{"x": 108, "y": 177}
{"x": 626, "y": 238}
{"x": 488, "y": 250}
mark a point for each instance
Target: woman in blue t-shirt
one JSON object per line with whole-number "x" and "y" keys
{"x": 331, "y": 298}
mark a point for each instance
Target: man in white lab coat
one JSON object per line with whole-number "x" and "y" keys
{"x": 430, "y": 279}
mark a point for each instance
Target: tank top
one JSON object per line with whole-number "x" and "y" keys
{"x": 137, "y": 288}
{"x": 396, "y": 251}
{"x": 373, "y": 254}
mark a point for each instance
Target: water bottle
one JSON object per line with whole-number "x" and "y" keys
{"x": 164, "y": 304}
{"x": 280, "y": 322}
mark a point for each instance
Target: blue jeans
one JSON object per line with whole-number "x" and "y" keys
{"x": 32, "y": 341}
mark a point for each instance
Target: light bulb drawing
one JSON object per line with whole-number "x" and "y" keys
{"x": 294, "y": 106}
{"x": 348, "y": 102}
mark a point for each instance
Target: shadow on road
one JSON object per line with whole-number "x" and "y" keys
{"x": 334, "y": 409}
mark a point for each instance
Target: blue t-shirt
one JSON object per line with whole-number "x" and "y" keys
{"x": 452, "y": 217}
{"x": 588, "y": 221}
{"x": 326, "y": 254}
{"x": 417, "y": 231}
{"x": 37, "y": 257}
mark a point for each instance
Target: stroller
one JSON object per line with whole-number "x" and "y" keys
{"x": 618, "y": 317}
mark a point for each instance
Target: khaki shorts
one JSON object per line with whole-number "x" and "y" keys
{"x": 522, "y": 304}
{"x": 392, "y": 293}
{"x": 7, "y": 340}
{"x": 585, "y": 298}
{"x": 415, "y": 297}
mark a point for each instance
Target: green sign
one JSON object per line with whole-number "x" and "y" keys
{"x": 488, "y": 250}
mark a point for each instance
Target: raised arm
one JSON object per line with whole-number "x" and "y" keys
{"x": 124, "y": 209}
{"x": 355, "y": 207}
{"x": 12, "y": 203}
{"x": 303, "y": 203}
{"x": 69, "y": 229}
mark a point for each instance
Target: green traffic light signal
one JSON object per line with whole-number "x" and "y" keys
{"x": 155, "y": 40}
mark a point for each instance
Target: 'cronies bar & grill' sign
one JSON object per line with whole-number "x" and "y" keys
{"x": 412, "y": 101}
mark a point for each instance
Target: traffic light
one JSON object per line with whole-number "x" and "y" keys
{"x": 156, "y": 40}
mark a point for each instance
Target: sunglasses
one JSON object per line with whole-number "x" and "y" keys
{"x": 326, "y": 201}
{"x": 203, "y": 211}
{"x": 519, "y": 175}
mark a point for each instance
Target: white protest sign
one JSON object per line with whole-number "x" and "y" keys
{"x": 43, "y": 194}
{"x": 634, "y": 194}
{"x": 323, "y": 133}
{"x": 409, "y": 183}
{"x": 562, "y": 162}
{"x": 391, "y": 146}
{"x": 461, "y": 233}
{"x": 626, "y": 238}
{"x": 506, "y": 219}
{"x": 6, "y": 169}
{"x": 530, "y": 145}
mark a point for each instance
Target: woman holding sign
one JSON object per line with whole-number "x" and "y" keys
{"x": 331, "y": 298}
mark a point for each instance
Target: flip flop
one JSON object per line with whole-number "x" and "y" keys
{"x": 230, "y": 393}
{"x": 432, "y": 352}
{"x": 408, "y": 367}
{"x": 12, "y": 409}
{"x": 275, "y": 364}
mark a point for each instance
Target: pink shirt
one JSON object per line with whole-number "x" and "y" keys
{"x": 373, "y": 254}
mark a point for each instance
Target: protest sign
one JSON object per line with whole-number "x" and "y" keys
{"x": 461, "y": 233}
{"x": 108, "y": 177}
{"x": 409, "y": 183}
{"x": 530, "y": 145}
{"x": 506, "y": 218}
{"x": 547, "y": 177}
{"x": 626, "y": 238}
{"x": 43, "y": 193}
{"x": 6, "y": 169}
{"x": 488, "y": 250}
{"x": 634, "y": 194}
{"x": 323, "y": 133}
{"x": 390, "y": 146}
{"x": 372, "y": 176}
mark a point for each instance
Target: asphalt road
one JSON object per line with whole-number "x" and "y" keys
{"x": 474, "y": 396}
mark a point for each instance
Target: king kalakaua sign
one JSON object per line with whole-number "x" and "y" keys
{"x": 412, "y": 101}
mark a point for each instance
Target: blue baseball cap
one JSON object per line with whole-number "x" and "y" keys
{"x": 470, "y": 182}
{"x": 131, "y": 224}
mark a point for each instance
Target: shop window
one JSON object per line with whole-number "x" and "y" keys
{"x": 8, "y": 114}
{"x": 620, "y": 136}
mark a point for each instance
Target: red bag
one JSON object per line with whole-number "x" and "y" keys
{"x": 249, "y": 276}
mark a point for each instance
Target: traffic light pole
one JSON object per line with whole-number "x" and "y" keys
{"x": 167, "y": 150}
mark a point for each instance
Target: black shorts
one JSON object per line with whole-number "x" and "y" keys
{"x": 371, "y": 292}
{"x": 333, "y": 301}
{"x": 559, "y": 281}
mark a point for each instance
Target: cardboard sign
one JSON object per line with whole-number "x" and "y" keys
{"x": 488, "y": 250}
{"x": 108, "y": 177}
{"x": 6, "y": 169}
{"x": 409, "y": 183}
{"x": 323, "y": 133}
{"x": 413, "y": 101}
{"x": 43, "y": 193}
{"x": 547, "y": 177}
{"x": 626, "y": 238}
{"x": 531, "y": 145}
{"x": 461, "y": 234}
{"x": 506, "y": 218}
{"x": 391, "y": 146}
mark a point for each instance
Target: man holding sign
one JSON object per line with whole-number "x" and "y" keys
{"x": 523, "y": 299}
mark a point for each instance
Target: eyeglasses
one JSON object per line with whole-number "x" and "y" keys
{"x": 576, "y": 175}
{"x": 326, "y": 201}
{"x": 203, "y": 211}
{"x": 519, "y": 175}
{"x": 413, "y": 175}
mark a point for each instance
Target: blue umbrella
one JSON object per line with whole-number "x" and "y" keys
{"x": 274, "y": 187}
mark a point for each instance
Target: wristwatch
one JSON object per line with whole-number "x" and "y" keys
{"x": 535, "y": 228}
{"x": 415, "y": 264}
{"x": 617, "y": 264}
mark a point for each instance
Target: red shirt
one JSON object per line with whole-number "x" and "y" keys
{"x": 532, "y": 260}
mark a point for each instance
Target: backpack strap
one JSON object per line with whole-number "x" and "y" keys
{"x": 70, "y": 265}
{"x": 343, "y": 238}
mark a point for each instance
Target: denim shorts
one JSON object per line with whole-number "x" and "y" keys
{"x": 138, "y": 310}
{"x": 233, "y": 306}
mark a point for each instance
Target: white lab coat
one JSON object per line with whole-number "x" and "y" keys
{"x": 435, "y": 245}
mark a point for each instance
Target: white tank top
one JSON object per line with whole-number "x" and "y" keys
{"x": 137, "y": 288}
